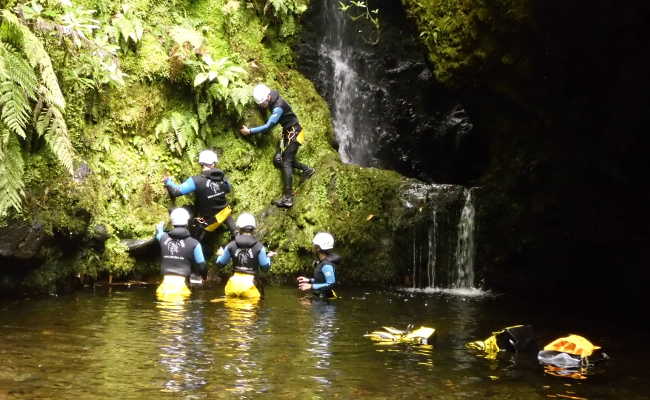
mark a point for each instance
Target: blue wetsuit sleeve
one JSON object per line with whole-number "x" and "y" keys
{"x": 330, "y": 278}
{"x": 184, "y": 188}
{"x": 273, "y": 119}
{"x": 264, "y": 260}
{"x": 159, "y": 235}
{"x": 224, "y": 258}
{"x": 198, "y": 254}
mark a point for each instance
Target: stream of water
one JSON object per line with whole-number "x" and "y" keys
{"x": 125, "y": 344}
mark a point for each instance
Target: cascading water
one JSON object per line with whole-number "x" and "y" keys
{"x": 442, "y": 244}
{"x": 464, "y": 274}
{"x": 348, "y": 102}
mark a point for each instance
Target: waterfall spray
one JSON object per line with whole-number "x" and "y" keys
{"x": 464, "y": 274}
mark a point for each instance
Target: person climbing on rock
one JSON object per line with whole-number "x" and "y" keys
{"x": 179, "y": 252}
{"x": 248, "y": 256}
{"x": 322, "y": 284}
{"x": 211, "y": 208}
{"x": 293, "y": 137}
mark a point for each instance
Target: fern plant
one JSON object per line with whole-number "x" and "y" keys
{"x": 222, "y": 82}
{"x": 180, "y": 130}
{"x": 28, "y": 89}
{"x": 128, "y": 26}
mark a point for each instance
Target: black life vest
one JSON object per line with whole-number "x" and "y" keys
{"x": 244, "y": 251}
{"x": 177, "y": 251}
{"x": 288, "y": 120}
{"x": 211, "y": 189}
{"x": 319, "y": 277}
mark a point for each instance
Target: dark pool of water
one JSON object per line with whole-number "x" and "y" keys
{"x": 125, "y": 344}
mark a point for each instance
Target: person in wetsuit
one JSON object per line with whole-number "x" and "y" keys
{"x": 211, "y": 207}
{"x": 179, "y": 252}
{"x": 249, "y": 257}
{"x": 293, "y": 137}
{"x": 322, "y": 284}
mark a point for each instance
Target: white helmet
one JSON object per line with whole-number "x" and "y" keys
{"x": 179, "y": 216}
{"x": 245, "y": 220}
{"x": 260, "y": 93}
{"x": 324, "y": 240}
{"x": 207, "y": 157}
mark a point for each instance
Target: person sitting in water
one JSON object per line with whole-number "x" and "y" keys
{"x": 211, "y": 207}
{"x": 178, "y": 251}
{"x": 248, "y": 256}
{"x": 322, "y": 284}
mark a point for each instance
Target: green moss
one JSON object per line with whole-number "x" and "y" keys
{"x": 114, "y": 134}
{"x": 465, "y": 36}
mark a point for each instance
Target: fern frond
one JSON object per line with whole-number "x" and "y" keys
{"x": 15, "y": 68}
{"x": 12, "y": 187}
{"x": 15, "y": 107}
{"x": 38, "y": 58}
{"x": 18, "y": 84}
{"x": 57, "y": 139}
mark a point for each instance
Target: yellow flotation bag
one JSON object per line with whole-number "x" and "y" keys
{"x": 572, "y": 344}
{"x": 514, "y": 337}
{"x": 242, "y": 285}
{"x": 173, "y": 289}
{"x": 393, "y": 335}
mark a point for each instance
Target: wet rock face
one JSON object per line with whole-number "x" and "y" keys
{"x": 21, "y": 240}
{"x": 411, "y": 124}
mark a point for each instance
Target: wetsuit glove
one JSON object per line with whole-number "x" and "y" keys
{"x": 160, "y": 228}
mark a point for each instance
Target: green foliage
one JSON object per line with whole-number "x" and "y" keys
{"x": 285, "y": 7}
{"x": 11, "y": 172}
{"x": 19, "y": 88}
{"x": 360, "y": 10}
{"x": 128, "y": 25}
{"x": 179, "y": 129}
{"x": 78, "y": 30}
{"x": 222, "y": 82}
{"x": 18, "y": 85}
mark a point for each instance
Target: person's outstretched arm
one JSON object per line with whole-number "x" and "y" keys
{"x": 179, "y": 190}
{"x": 273, "y": 119}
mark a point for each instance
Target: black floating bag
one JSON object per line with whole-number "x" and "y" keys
{"x": 517, "y": 338}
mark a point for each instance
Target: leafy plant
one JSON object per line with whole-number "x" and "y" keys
{"x": 24, "y": 93}
{"x": 128, "y": 26}
{"x": 223, "y": 83}
{"x": 180, "y": 130}
{"x": 77, "y": 29}
{"x": 285, "y": 7}
{"x": 360, "y": 10}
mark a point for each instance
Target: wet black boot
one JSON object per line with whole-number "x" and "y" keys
{"x": 307, "y": 173}
{"x": 285, "y": 202}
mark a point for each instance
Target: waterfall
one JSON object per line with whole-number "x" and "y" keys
{"x": 349, "y": 105}
{"x": 442, "y": 244}
{"x": 464, "y": 274}
{"x": 433, "y": 250}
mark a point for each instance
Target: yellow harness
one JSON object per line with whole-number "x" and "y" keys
{"x": 219, "y": 218}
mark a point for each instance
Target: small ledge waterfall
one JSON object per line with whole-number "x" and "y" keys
{"x": 465, "y": 251}
{"x": 442, "y": 245}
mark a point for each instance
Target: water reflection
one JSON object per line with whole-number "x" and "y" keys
{"x": 240, "y": 363}
{"x": 323, "y": 331}
{"x": 184, "y": 355}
